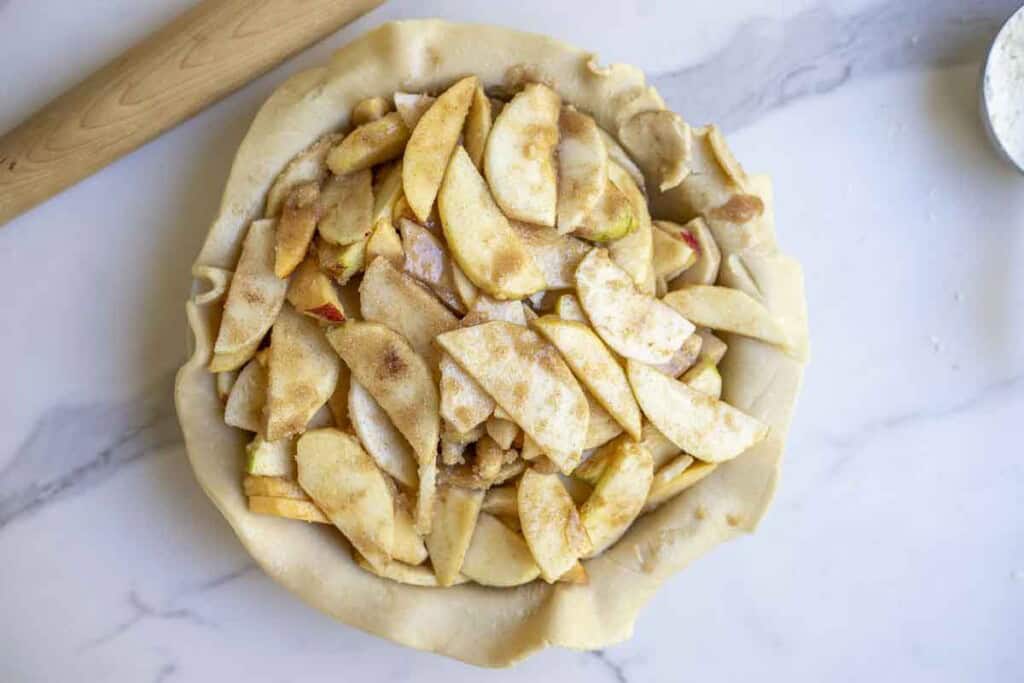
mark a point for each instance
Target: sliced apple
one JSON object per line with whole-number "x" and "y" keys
{"x": 699, "y": 424}
{"x": 485, "y": 310}
{"x": 602, "y": 427}
{"x": 478, "y": 126}
{"x": 392, "y": 298}
{"x": 302, "y": 372}
{"x": 369, "y": 109}
{"x": 309, "y": 165}
{"x": 344, "y": 482}
{"x": 464, "y": 287}
{"x": 723, "y": 308}
{"x": 529, "y": 380}
{"x": 551, "y": 524}
{"x": 397, "y": 378}
{"x": 662, "y": 141}
{"x": 577, "y": 574}
{"x": 672, "y": 253}
{"x": 704, "y": 271}
{"x": 500, "y": 501}
{"x": 312, "y": 293}
{"x": 387, "y": 190}
{"x": 611, "y": 218}
{"x": 635, "y": 325}
{"x": 712, "y": 348}
{"x": 654, "y": 442}
{"x": 498, "y": 556}
{"x": 684, "y": 357}
{"x": 431, "y": 145}
{"x": 594, "y": 366}
{"x": 427, "y": 260}
{"x": 412, "y": 106}
{"x": 408, "y": 547}
{"x": 619, "y": 495}
{"x": 296, "y": 227}
{"x": 341, "y": 262}
{"x": 568, "y": 308}
{"x": 455, "y": 516}
{"x": 705, "y": 379}
{"x": 384, "y": 241}
{"x": 302, "y": 510}
{"x": 379, "y": 437}
{"x": 244, "y": 408}
{"x": 346, "y": 206}
{"x": 464, "y": 403}
{"x": 272, "y": 487}
{"x": 419, "y": 575}
{"x": 619, "y": 156}
{"x": 225, "y": 382}
{"x": 270, "y": 458}
{"x": 556, "y": 255}
{"x": 452, "y": 452}
{"x": 254, "y": 298}
{"x": 503, "y": 432}
{"x": 582, "y": 168}
{"x": 480, "y": 237}
{"x": 426, "y": 495}
{"x": 369, "y": 144}
{"x": 338, "y": 402}
{"x": 676, "y": 477}
{"x": 634, "y": 252}
{"x": 519, "y": 161}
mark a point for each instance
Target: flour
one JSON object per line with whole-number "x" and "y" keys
{"x": 1004, "y": 87}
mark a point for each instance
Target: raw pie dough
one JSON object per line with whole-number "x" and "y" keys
{"x": 500, "y": 626}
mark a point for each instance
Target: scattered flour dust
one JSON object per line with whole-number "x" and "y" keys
{"x": 1004, "y": 87}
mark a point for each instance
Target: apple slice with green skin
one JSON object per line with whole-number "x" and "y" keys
{"x": 498, "y": 556}
{"x": 602, "y": 427}
{"x": 312, "y": 293}
{"x": 346, "y": 205}
{"x": 483, "y": 243}
{"x": 464, "y": 403}
{"x": 398, "y": 379}
{"x": 705, "y": 378}
{"x": 702, "y": 426}
{"x": 379, "y": 437}
{"x": 412, "y": 106}
{"x": 342, "y": 263}
{"x": 551, "y": 524}
{"x": 369, "y": 109}
{"x": 582, "y": 168}
{"x": 370, "y": 144}
{"x": 594, "y": 366}
{"x": 302, "y": 372}
{"x": 723, "y": 308}
{"x": 427, "y": 260}
{"x": 270, "y": 458}
{"x": 455, "y": 517}
{"x": 610, "y": 219}
{"x": 634, "y": 324}
{"x": 704, "y": 271}
{"x": 254, "y": 298}
{"x": 478, "y": 126}
{"x": 519, "y": 161}
{"x": 556, "y": 255}
{"x": 295, "y": 228}
{"x": 289, "y": 508}
{"x": 634, "y": 252}
{"x": 672, "y": 253}
{"x": 431, "y": 145}
{"x": 619, "y": 495}
{"x": 568, "y": 308}
{"x": 344, "y": 482}
{"x": 391, "y": 297}
{"x": 309, "y": 165}
{"x": 674, "y": 478}
{"x": 244, "y": 408}
{"x": 528, "y": 379}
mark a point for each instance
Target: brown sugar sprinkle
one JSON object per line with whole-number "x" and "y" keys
{"x": 741, "y": 208}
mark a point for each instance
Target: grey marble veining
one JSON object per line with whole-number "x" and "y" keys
{"x": 770, "y": 63}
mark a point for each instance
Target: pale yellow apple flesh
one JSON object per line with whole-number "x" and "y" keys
{"x": 619, "y": 495}
{"x": 311, "y": 292}
{"x": 379, "y": 437}
{"x": 551, "y": 524}
{"x": 295, "y": 228}
{"x": 244, "y": 408}
{"x": 370, "y": 144}
{"x": 582, "y": 168}
{"x": 478, "y": 126}
{"x": 729, "y": 310}
{"x": 498, "y": 556}
{"x": 455, "y": 517}
{"x": 346, "y": 206}
{"x": 309, "y": 165}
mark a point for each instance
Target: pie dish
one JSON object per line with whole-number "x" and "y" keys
{"x": 515, "y": 339}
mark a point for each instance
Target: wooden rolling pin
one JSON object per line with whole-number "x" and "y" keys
{"x": 206, "y": 53}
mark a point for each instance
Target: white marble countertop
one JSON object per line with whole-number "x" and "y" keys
{"x": 894, "y": 549}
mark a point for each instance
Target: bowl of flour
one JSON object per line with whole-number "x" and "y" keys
{"x": 1002, "y": 90}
